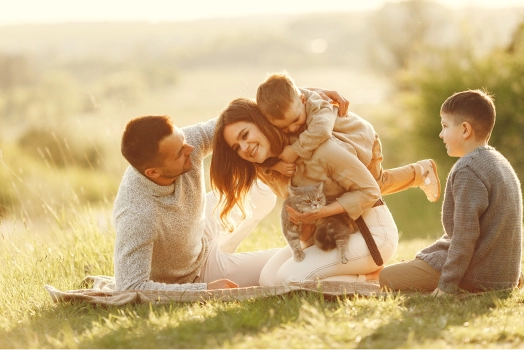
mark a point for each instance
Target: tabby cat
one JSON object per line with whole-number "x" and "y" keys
{"x": 331, "y": 232}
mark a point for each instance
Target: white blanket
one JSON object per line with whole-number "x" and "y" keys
{"x": 102, "y": 292}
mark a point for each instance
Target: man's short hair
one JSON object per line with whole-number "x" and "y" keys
{"x": 473, "y": 106}
{"x": 141, "y": 139}
{"x": 276, "y": 94}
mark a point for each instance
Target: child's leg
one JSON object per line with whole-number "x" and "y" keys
{"x": 415, "y": 274}
{"x": 422, "y": 174}
{"x": 399, "y": 179}
{"x": 391, "y": 180}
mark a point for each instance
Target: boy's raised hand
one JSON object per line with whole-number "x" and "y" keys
{"x": 288, "y": 155}
{"x": 287, "y": 169}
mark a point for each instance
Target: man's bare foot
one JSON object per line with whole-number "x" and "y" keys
{"x": 373, "y": 276}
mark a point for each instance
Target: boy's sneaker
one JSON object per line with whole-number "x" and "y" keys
{"x": 430, "y": 182}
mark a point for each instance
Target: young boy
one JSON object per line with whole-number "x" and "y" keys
{"x": 305, "y": 113}
{"x": 481, "y": 214}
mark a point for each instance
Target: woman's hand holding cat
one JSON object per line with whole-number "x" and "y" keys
{"x": 294, "y": 216}
{"x": 310, "y": 218}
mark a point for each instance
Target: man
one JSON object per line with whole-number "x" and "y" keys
{"x": 166, "y": 235}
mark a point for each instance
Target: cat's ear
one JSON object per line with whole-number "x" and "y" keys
{"x": 320, "y": 187}
{"x": 291, "y": 190}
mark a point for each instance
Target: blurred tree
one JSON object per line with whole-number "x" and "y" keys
{"x": 122, "y": 87}
{"x": 414, "y": 125}
{"x": 7, "y": 191}
{"x": 401, "y": 31}
{"x": 48, "y": 100}
{"x": 15, "y": 70}
{"x": 53, "y": 147}
{"x": 501, "y": 72}
{"x": 57, "y": 95}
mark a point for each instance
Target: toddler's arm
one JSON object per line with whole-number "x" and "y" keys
{"x": 288, "y": 155}
{"x": 320, "y": 122}
{"x": 287, "y": 169}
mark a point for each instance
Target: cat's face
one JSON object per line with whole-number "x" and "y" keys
{"x": 307, "y": 199}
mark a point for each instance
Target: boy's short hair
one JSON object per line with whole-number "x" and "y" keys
{"x": 473, "y": 106}
{"x": 141, "y": 140}
{"x": 276, "y": 94}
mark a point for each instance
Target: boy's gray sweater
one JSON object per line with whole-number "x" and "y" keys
{"x": 482, "y": 219}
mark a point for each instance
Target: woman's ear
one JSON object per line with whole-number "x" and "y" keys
{"x": 467, "y": 130}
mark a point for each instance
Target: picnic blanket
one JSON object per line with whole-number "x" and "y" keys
{"x": 100, "y": 290}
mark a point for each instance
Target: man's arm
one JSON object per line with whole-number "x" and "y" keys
{"x": 331, "y": 95}
{"x": 200, "y": 136}
{"x": 135, "y": 237}
{"x": 345, "y": 168}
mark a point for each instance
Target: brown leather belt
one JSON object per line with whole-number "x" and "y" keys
{"x": 379, "y": 202}
{"x": 368, "y": 238}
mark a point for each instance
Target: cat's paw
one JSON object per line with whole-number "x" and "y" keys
{"x": 299, "y": 256}
{"x": 344, "y": 259}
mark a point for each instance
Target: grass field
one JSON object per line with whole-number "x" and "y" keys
{"x": 54, "y": 236}
{"x": 64, "y": 252}
{"x": 55, "y": 219}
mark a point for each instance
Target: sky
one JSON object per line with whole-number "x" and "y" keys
{"x": 50, "y": 11}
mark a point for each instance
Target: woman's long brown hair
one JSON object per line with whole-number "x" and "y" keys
{"x": 232, "y": 176}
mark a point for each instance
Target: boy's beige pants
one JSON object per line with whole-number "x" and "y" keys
{"x": 414, "y": 275}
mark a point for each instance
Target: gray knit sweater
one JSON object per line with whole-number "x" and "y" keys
{"x": 160, "y": 242}
{"x": 482, "y": 219}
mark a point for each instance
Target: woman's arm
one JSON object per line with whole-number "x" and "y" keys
{"x": 362, "y": 190}
{"x": 348, "y": 172}
{"x": 309, "y": 218}
{"x": 344, "y": 167}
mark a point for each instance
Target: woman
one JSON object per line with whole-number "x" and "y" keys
{"x": 244, "y": 140}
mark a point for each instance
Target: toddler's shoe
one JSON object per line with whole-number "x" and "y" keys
{"x": 430, "y": 182}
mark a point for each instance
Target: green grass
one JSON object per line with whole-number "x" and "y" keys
{"x": 56, "y": 228}
{"x": 62, "y": 253}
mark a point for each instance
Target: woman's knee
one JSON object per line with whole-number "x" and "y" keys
{"x": 267, "y": 278}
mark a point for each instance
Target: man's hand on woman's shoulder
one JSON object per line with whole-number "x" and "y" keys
{"x": 331, "y": 95}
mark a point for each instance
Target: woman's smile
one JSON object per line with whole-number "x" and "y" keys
{"x": 248, "y": 141}
{"x": 253, "y": 152}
